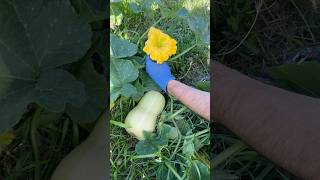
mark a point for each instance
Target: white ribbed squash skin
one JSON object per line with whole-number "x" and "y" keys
{"x": 144, "y": 116}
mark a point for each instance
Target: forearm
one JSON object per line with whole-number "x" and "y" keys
{"x": 198, "y": 101}
{"x": 283, "y": 126}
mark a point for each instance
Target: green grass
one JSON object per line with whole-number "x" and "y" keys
{"x": 55, "y": 137}
{"x": 250, "y": 46}
{"x": 191, "y": 68}
{"x": 124, "y": 162}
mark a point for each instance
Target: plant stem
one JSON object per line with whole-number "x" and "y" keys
{"x": 222, "y": 157}
{"x": 173, "y": 170}
{"x": 119, "y": 124}
{"x": 179, "y": 140}
{"x": 198, "y": 133}
{"x": 177, "y": 112}
{"x": 33, "y": 137}
{"x": 145, "y": 156}
{"x": 184, "y": 52}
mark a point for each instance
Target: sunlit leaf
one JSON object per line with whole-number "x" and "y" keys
{"x": 200, "y": 26}
{"x": 122, "y": 73}
{"x": 120, "y": 48}
{"x": 182, "y": 13}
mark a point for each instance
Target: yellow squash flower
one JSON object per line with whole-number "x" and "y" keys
{"x": 159, "y": 45}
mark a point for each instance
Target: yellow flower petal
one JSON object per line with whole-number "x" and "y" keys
{"x": 159, "y": 45}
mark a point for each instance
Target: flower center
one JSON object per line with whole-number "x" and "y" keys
{"x": 159, "y": 43}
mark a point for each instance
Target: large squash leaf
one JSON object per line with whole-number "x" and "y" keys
{"x": 151, "y": 145}
{"x": 57, "y": 87}
{"x": 122, "y": 73}
{"x": 96, "y": 93}
{"x": 120, "y": 48}
{"x": 36, "y": 37}
{"x": 91, "y": 10}
{"x": 201, "y": 28}
{"x": 302, "y": 78}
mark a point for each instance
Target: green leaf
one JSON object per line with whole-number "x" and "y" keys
{"x": 183, "y": 126}
{"x": 38, "y": 36}
{"x": 96, "y": 93}
{"x": 98, "y": 5}
{"x": 140, "y": 91}
{"x": 147, "y": 4}
{"x": 188, "y": 147}
{"x": 148, "y": 83}
{"x": 201, "y": 27}
{"x": 122, "y": 73}
{"x": 302, "y": 78}
{"x": 128, "y": 90}
{"x": 134, "y": 7}
{"x": 182, "y": 13}
{"x": 138, "y": 62}
{"x": 168, "y": 13}
{"x": 56, "y": 88}
{"x": 91, "y": 10}
{"x": 168, "y": 132}
{"x": 198, "y": 171}
{"x": 144, "y": 84}
{"x": 198, "y": 144}
{"x": 120, "y": 48}
{"x": 53, "y": 34}
{"x": 151, "y": 145}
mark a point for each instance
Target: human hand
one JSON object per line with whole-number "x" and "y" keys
{"x": 160, "y": 73}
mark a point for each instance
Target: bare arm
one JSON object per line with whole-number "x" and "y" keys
{"x": 282, "y": 125}
{"x": 198, "y": 101}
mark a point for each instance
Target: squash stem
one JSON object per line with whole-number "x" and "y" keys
{"x": 145, "y": 156}
{"x": 33, "y": 137}
{"x": 198, "y": 133}
{"x": 184, "y": 52}
{"x": 177, "y": 112}
{"x": 179, "y": 140}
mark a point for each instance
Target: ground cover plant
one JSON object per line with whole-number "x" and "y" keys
{"x": 52, "y": 81}
{"x": 179, "y": 148}
{"x": 271, "y": 41}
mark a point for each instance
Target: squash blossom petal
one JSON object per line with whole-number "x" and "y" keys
{"x": 159, "y": 45}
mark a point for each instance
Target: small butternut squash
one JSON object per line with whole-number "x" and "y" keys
{"x": 144, "y": 116}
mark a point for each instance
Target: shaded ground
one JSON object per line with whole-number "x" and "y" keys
{"x": 250, "y": 36}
